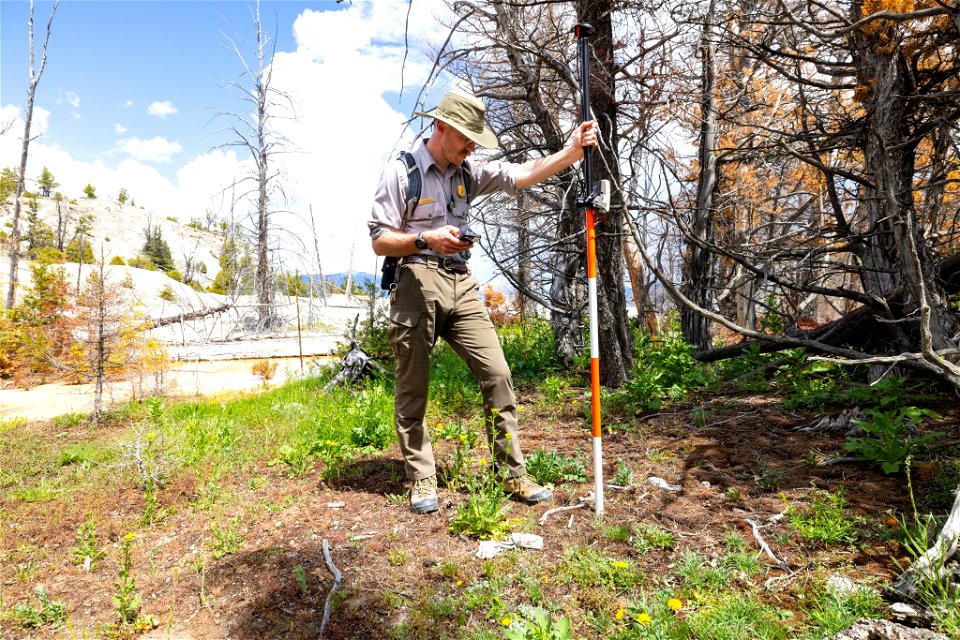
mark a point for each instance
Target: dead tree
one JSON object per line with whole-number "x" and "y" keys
{"x": 35, "y": 73}
{"x": 356, "y": 364}
{"x": 255, "y": 135}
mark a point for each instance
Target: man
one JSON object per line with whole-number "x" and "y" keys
{"x": 434, "y": 294}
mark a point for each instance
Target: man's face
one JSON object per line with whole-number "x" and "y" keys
{"x": 456, "y": 146}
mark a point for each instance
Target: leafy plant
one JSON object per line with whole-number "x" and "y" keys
{"x": 553, "y": 468}
{"x": 87, "y": 545}
{"x": 697, "y": 573}
{"x": 51, "y": 612}
{"x": 537, "y": 624}
{"x": 826, "y": 520}
{"x": 623, "y": 477}
{"x": 647, "y": 537}
{"x": 484, "y": 514}
{"x": 666, "y": 369}
{"x": 227, "y": 540}
{"x": 371, "y": 414}
{"x": 891, "y": 441}
{"x": 126, "y": 598}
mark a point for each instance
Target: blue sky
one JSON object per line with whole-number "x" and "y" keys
{"x": 131, "y": 91}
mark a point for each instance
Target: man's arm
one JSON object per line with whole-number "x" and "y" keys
{"x": 536, "y": 171}
{"x": 443, "y": 240}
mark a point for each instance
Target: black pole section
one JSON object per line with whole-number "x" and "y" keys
{"x": 582, "y": 29}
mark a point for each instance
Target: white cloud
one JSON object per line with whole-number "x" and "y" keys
{"x": 127, "y": 104}
{"x": 162, "y": 109}
{"x": 119, "y": 128}
{"x": 154, "y": 150}
{"x": 346, "y": 131}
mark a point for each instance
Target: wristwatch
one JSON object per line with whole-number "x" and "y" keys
{"x": 420, "y": 242}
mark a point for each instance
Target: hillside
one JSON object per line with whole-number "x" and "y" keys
{"x": 120, "y": 231}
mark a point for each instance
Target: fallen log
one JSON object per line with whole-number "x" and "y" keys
{"x": 155, "y": 323}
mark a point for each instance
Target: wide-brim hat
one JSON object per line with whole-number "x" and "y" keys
{"x": 465, "y": 114}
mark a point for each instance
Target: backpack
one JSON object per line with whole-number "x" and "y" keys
{"x": 414, "y": 187}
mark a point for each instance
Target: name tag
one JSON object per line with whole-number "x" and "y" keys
{"x": 425, "y": 201}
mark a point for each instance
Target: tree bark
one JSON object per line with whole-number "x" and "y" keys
{"x": 698, "y": 267}
{"x": 616, "y": 357}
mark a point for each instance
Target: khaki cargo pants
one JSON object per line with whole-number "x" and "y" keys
{"x": 427, "y": 303}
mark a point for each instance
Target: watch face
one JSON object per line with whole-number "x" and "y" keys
{"x": 420, "y": 242}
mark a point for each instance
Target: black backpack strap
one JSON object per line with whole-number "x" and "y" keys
{"x": 414, "y": 185}
{"x": 467, "y": 180}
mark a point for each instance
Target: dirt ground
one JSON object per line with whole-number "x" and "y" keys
{"x": 718, "y": 452}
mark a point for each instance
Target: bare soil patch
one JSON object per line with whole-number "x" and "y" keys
{"x": 253, "y": 594}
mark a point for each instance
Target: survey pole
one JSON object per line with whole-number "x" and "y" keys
{"x": 582, "y": 31}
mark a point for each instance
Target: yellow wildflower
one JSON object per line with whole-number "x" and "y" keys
{"x": 619, "y": 614}
{"x": 508, "y": 435}
{"x": 506, "y": 621}
{"x": 675, "y": 604}
{"x": 483, "y": 462}
{"x": 129, "y": 537}
{"x": 459, "y": 582}
{"x": 151, "y": 436}
{"x": 618, "y": 564}
{"x": 644, "y": 619}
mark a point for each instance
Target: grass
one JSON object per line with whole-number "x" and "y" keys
{"x": 252, "y": 476}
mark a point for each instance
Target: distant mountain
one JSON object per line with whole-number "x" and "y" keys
{"x": 360, "y": 278}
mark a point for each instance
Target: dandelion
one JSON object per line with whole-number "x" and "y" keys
{"x": 506, "y": 621}
{"x": 675, "y": 604}
{"x": 644, "y": 619}
{"x": 463, "y": 437}
{"x": 618, "y": 564}
{"x": 129, "y": 537}
{"x": 151, "y": 436}
{"x": 439, "y": 425}
{"x": 459, "y": 583}
{"x": 619, "y": 614}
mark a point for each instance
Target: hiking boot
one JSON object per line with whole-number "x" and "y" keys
{"x": 423, "y": 495}
{"x": 526, "y": 489}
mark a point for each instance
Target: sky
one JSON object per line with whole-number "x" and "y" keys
{"x": 136, "y": 95}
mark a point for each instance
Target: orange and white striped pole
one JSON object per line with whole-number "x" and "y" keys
{"x": 582, "y": 31}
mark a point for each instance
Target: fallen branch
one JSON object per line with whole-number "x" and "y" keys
{"x": 764, "y": 546}
{"x": 549, "y": 513}
{"x": 336, "y": 585}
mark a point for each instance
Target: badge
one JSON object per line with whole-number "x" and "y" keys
{"x": 461, "y": 191}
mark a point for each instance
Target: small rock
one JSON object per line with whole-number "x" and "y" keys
{"x": 886, "y": 630}
{"x": 336, "y": 505}
{"x": 663, "y": 484}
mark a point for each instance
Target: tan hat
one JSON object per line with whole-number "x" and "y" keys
{"x": 464, "y": 113}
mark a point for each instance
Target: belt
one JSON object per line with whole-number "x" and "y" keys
{"x": 447, "y": 264}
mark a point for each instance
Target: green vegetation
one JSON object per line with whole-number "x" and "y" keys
{"x": 248, "y": 483}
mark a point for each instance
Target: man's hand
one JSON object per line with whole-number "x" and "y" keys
{"x": 445, "y": 240}
{"x": 586, "y": 134}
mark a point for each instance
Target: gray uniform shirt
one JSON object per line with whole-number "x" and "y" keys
{"x": 443, "y": 196}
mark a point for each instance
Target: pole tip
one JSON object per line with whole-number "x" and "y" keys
{"x": 582, "y": 29}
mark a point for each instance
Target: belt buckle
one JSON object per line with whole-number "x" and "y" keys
{"x": 445, "y": 266}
